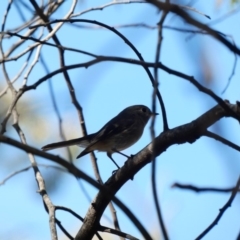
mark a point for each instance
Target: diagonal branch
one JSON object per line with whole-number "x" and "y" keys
{"x": 159, "y": 96}
{"x": 186, "y": 133}
{"x": 177, "y": 10}
{"x": 222, "y": 140}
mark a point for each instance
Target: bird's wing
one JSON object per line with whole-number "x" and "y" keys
{"x": 113, "y": 127}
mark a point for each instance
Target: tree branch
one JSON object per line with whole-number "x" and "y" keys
{"x": 221, "y": 211}
{"x": 186, "y": 133}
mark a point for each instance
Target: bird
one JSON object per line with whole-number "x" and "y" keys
{"x": 119, "y": 133}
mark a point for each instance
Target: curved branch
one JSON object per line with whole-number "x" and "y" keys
{"x": 159, "y": 96}
{"x": 131, "y": 61}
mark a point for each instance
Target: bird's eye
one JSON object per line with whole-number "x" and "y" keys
{"x": 144, "y": 109}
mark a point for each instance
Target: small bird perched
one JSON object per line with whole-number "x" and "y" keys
{"x": 118, "y": 134}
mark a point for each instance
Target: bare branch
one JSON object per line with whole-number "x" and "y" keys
{"x": 165, "y": 128}
{"x": 221, "y": 211}
{"x": 26, "y": 169}
{"x": 175, "y": 9}
{"x": 116, "y": 232}
{"x": 131, "y": 61}
{"x": 203, "y": 189}
{"x": 222, "y": 140}
{"x": 130, "y": 45}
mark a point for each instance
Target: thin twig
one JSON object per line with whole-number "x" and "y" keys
{"x": 106, "y": 5}
{"x": 26, "y": 169}
{"x": 221, "y": 139}
{"x": 16, "y": 77}
{"x": 233, "y": 69}
{"x": 116, "y": 232}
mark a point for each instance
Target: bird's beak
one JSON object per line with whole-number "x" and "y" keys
{"x": 155, "y": 114}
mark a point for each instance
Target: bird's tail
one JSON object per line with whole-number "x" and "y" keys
{"x": 82, "y": 142}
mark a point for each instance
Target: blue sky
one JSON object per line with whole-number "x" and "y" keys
{"x": 104, "y": 90}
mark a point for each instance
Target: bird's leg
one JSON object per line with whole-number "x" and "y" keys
{"x": 110, "y": 156}
{"x": 116, "y": 151}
